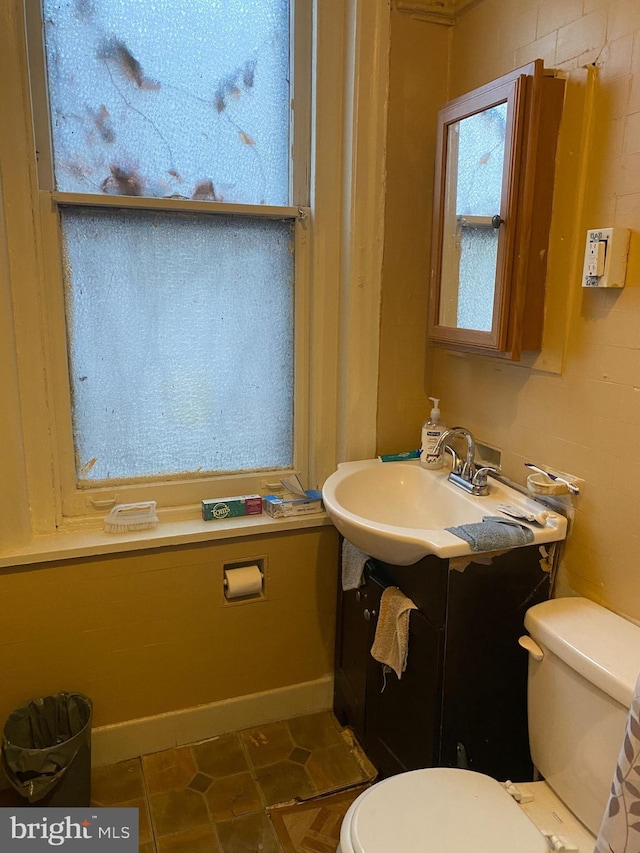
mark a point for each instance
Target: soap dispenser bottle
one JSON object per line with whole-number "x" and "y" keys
{"x": 432, "y": 429}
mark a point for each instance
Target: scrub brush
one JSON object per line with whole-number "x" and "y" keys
{"x": 125, "y": 517}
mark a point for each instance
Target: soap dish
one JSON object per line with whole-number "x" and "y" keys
{"x": 540, "y": 484}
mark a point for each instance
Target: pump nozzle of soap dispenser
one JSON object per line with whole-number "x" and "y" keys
{"x": 435, "y": 411}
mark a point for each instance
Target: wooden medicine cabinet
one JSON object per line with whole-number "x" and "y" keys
{"x": 493, "y": 192}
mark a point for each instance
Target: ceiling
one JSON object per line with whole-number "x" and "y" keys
{"x": 438, "y": 11}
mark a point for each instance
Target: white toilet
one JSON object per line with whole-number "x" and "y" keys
{"x": 579, "y": 694}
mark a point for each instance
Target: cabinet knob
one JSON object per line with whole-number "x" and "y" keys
{"x": 368, "y": 614}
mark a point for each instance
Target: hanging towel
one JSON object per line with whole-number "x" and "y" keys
{"x": 493, "y": 533}
{"x": 391, "y": 643}
{"x": 353, "y": 561}
{"x": 620, "y": 828}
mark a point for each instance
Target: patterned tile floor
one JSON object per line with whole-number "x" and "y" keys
{"x": 212, "y": 797}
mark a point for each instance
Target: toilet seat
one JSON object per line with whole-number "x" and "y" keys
{"x": 454, "y": 811}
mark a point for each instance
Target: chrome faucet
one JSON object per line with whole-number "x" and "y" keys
{"x": 444, "y": 441}
{"x": 465, "y": 474}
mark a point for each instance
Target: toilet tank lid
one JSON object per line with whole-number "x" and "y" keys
{"x": 598, "y": 644}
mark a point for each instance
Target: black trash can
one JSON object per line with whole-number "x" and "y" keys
{"x": 46, "y": 750}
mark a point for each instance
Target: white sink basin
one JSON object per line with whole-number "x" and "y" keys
{"x": 398, "y": 511}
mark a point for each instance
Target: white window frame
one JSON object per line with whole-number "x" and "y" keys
{"x": 348, "y": 120}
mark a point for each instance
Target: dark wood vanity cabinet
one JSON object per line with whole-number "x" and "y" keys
{"x": 462, "y": 700}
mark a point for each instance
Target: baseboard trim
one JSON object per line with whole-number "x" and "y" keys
{"x": 118, "y": 742}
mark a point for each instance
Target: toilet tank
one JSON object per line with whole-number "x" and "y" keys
{"x": 579, "y": 695}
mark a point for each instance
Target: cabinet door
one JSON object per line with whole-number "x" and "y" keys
{"x": 485, "y": 677}
{"x": 354, "y": 638}
{"x": 493, "y": 193}
{"x": 402, "y": 722}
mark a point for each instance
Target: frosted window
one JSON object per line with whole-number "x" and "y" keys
{"x": 474, "y": 179}
{"x": 478, "y": 258}
{"x": 180, "y": 342}
{"x": 185, "y": 98}
{"x": 480, "y": 162}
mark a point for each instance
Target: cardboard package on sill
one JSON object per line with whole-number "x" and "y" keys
{"x": 295, "y": 501}
{"x": 216, "y": 509}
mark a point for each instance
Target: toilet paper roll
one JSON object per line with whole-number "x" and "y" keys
{"x": 245, "y": 580}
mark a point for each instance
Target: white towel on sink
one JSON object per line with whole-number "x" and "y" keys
{"x": 353, "y": 561}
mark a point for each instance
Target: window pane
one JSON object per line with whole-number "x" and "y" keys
{"x": 480, "y": 162}
{"x": 181, "y": 342}
{"x": 478, "y": 260}
{"x": 182, "y": 98}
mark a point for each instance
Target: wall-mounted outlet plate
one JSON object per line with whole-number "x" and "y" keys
{"x": 605, "y": 257}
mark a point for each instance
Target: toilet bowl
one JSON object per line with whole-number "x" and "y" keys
{"x": 445, "y": 810}
{"x": 580, "y": 686}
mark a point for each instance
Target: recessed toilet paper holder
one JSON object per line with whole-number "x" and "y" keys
{"x": 243, "y": 581}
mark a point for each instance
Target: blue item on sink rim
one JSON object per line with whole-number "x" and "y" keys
{"x": 493, "y": 533}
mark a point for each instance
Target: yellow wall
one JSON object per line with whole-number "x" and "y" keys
{"x": 417, "y": 89}
{"x": 151, "y": 632}
{"x": 585, "y": 419}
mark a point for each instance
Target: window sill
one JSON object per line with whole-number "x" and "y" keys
{"x": 70, "y": 545}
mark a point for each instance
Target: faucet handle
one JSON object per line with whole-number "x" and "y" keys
{"x": 480, "y": 476}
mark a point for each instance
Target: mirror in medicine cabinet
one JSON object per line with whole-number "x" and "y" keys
{"x": 492, "y": 209}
